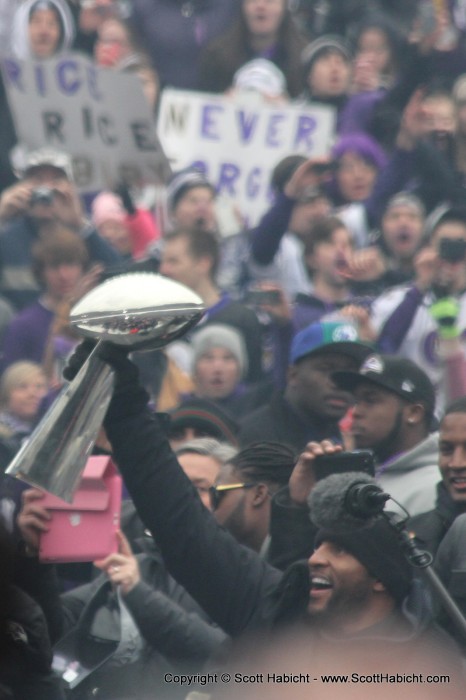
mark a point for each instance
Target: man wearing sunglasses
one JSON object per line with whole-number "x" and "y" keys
{"x": 242, "y": 497}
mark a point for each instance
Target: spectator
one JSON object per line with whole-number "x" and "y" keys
{"x": 401, "y": 315}
{"x": 115, "y": 43}
{"x": 311, "y": 405}
{"x": 201, "y": 460}
{"x": 191, "y": 257}
{"x": 263, "y": 30}
{"x": 378, "y": 42}
{"x": 21, "y": 213}
{"x": 328, "y": 70}
{"x": 127, "y": 228}
{"x": 392, "y": 416}
{"x": 243, "y": 492}
{"x": 41, "y": 29}
{"x": 22, "y": 387}
{"x": 277, "y": 242}
{"x": 401, "y": 235}
{"x": 191, "y": 205}
{"x": 197, "y": 418}
{"x": 89, "y": 16}
{"x": 219, "y": 368}
{"x": 174, "y": 35}
{"x": 431, "y": 527}
{"x": 358, "y": 160}
{"x": 327, "y": 67}
{"x": 59, "y": 263}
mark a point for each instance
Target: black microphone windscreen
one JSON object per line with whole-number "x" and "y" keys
{"x": 327, "y": 501}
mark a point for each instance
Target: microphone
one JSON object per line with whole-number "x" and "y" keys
{"x": 345, "y": 501}
{"x": 365, "y": 500}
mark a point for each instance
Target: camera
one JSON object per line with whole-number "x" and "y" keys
{"x": 42, "y": 195}
{"x": 452, "y": 249}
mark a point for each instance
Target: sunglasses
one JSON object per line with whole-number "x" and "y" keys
{"x": 217, "y": 492}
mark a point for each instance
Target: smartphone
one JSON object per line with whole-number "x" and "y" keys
{"x": 342, "y": 462}
{"x": 257, "y": 297}
{"x": 452, "y": 249}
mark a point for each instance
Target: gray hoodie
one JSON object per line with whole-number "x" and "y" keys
{"x": 411, "y": 477}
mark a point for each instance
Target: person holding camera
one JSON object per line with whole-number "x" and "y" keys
{"x": 45, "y": 194}
{"x": 404, "y": 316}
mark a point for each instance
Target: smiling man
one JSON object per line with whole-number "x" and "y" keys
{"x": 431, "y": 526}
{"x": 358, "y": 577}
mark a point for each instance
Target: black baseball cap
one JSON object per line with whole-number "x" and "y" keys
{"x": 397, "y": 374}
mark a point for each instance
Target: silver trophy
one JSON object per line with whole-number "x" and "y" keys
{"x": 140, "y": 311}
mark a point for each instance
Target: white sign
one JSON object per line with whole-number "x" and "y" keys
{"x": 98, "y": 115}
{"x": 237, "y": 141}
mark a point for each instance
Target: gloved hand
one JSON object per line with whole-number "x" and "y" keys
{"x": 445, "y": 313}
{"x": 115, "y": 355}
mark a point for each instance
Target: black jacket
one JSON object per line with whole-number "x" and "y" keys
{"x": 277, "y": 422}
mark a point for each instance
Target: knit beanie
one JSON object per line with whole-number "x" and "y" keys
{"x": 107, "y": 207}
{"x": 218, "y": 335}
{"x": 375, "y": 546}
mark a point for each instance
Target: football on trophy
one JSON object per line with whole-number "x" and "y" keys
{"x": 138, "y": 309}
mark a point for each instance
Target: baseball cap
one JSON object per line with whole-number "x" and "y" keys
{"x": 334, "y": 336}
{"x": 48, "y": 157}
{"x": 397, "y": 374}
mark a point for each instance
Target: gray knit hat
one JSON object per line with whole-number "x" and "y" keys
{"x": 216, "y": 335}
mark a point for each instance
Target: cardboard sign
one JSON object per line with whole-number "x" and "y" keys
{"x": 238, "y": 140}
{"x": 98, "y": 115}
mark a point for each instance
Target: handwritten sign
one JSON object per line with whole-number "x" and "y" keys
{"x": 98, "y": 115}
{"x": 237, "y": 141}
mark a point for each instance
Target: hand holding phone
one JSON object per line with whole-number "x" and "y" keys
{"x": 343, "y": 462}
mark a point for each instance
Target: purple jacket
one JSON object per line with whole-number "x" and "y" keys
{"x": 175, "y": 31}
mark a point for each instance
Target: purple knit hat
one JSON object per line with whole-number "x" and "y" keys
{"x": 364, "y": 146}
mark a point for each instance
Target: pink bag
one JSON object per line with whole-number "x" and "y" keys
{"x": 85, "y": 529}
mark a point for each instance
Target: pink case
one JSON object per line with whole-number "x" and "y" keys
{"x": 85, "y": 529}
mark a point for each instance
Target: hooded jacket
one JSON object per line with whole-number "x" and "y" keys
{"x": 19, "y": 36}
{"x": 411, "y": 477}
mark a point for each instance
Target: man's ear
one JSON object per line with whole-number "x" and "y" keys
{"x": 260, "y": 495}
{"x": 414, "y": 413}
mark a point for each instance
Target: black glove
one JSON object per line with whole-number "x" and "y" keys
{"x": 114, "y": 355}
{"x": 78, "y": 357}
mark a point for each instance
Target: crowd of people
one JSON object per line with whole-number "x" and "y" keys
{"x": 335, "y": 324}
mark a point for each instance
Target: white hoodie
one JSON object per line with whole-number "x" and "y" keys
{"x": 19, "y": 35}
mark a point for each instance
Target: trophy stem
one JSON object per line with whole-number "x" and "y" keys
{"x": 56, "y": 453}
